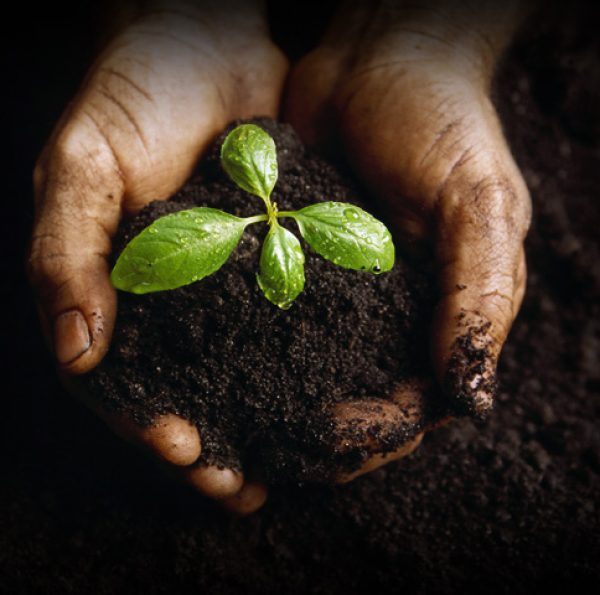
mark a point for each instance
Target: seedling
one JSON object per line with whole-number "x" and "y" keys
{"x": 186, "y": 246}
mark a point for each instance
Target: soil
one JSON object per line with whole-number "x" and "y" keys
{"x": 506, "y": 506}
{"x": 254, "y": 378}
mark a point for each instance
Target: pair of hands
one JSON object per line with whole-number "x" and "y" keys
{"x": 405, "y": 92}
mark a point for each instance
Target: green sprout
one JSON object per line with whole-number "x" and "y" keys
{"x": 186, "y": 246}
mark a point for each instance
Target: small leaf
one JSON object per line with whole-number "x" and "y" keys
{"x": 177, "y": 249}
{"x": 347, "y": 236}
{"x": 281, "y": 275}
{"x": 249, "y": 157}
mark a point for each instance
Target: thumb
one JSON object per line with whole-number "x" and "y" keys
{"x": 482, "y": 277}
{"x": 78, "y": 190}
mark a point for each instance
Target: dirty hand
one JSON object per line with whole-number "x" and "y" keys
{"x": 155, "y": 98}
{"x": 405, "y": 92}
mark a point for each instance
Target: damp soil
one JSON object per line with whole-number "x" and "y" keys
{"x": 507, "y": 506}
{"x": 252, "y": 377}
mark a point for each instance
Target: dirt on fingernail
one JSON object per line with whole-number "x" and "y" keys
{"x": 471, "y": 383}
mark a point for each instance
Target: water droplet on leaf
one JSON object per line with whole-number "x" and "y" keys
{"x": 351, "y": 214}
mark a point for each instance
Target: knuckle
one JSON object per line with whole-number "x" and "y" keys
{"x": 73, "y": 148}
{"x": 46, "y": 270}
{"x": 494, "y": 205}
{"x": 83, "y": 156}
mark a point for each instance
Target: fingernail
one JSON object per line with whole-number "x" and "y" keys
{"x": 71, "y": 336}
{"x": 484, "y": 390}
{"x": 471, "y": 382}
{"x": 474, "y": 393}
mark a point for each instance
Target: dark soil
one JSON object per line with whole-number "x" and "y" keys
{"x": 251, "y": 377}
{"x": 509, "y": 506}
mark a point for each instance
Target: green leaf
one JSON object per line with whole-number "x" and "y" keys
{"x": 281, "y": 275}
{"x": 347, "y": 236}
{"x": 177, "y": 249}
{"x": 249, "y": 157}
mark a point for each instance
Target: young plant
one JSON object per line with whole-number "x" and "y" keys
{"x": 187, "y": 246}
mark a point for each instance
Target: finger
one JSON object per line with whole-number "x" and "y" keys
{"x": 377, "y": 430}
{"x": 479, "y": 248}
{"x": 169, "y": 437}
{"x": 311, "y": 85}
{"x": 78, "y": 194}
{"x": 380, "y": 459}
{"x": 248, "y": 500}
{"x": 213, "y": 482}
{"x": 374, "y": 424}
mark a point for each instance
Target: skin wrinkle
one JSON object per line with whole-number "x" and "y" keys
{"x": 212, "y": 56}
{"x": 496, "y": 293}
{"x": 134, "y": 61}
{"x": 61, "y": 286}
{"x": 44, "y": 269}
{"x": 127, "y": 201}
{"x": 39, "y": 271}
{"x": 461, "y": 140}
{"x": 487, "y": 267}
{"x": 139, "y": 134}
{"x": 501, "y": 189}
{"x": 64, "y": 207}
{"x": 105, "y": 142}
{"x": 478, "y": 277}
{"x": 170, "y": 36}
{"x": 440, "y": 138}
{"x": 102, "y": 224}
{"x": 440, "y": 194}
{"x": 112, "y": 72}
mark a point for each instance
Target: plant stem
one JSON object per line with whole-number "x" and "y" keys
{"x": 286, "y": 213}
{"x": 272, "y": 215}
{"x": 255, "y": 219}
{"x": 268, "y": 204}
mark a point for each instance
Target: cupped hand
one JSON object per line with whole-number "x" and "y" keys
{"x": 153, "y": 101}
{"x": 406, "y": 96}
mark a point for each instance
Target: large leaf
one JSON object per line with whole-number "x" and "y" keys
{"x": 281, "y": 275}
{"x": 249, "y": 157}
{"x": 347, "y": 236}
{"x": 177, "y": 249}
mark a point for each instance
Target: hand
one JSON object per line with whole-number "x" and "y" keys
{"x": 156, "y": 97}
{"x": 406, "y": 94}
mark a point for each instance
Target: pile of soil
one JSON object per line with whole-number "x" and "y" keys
{"x": 254, "y": 378}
